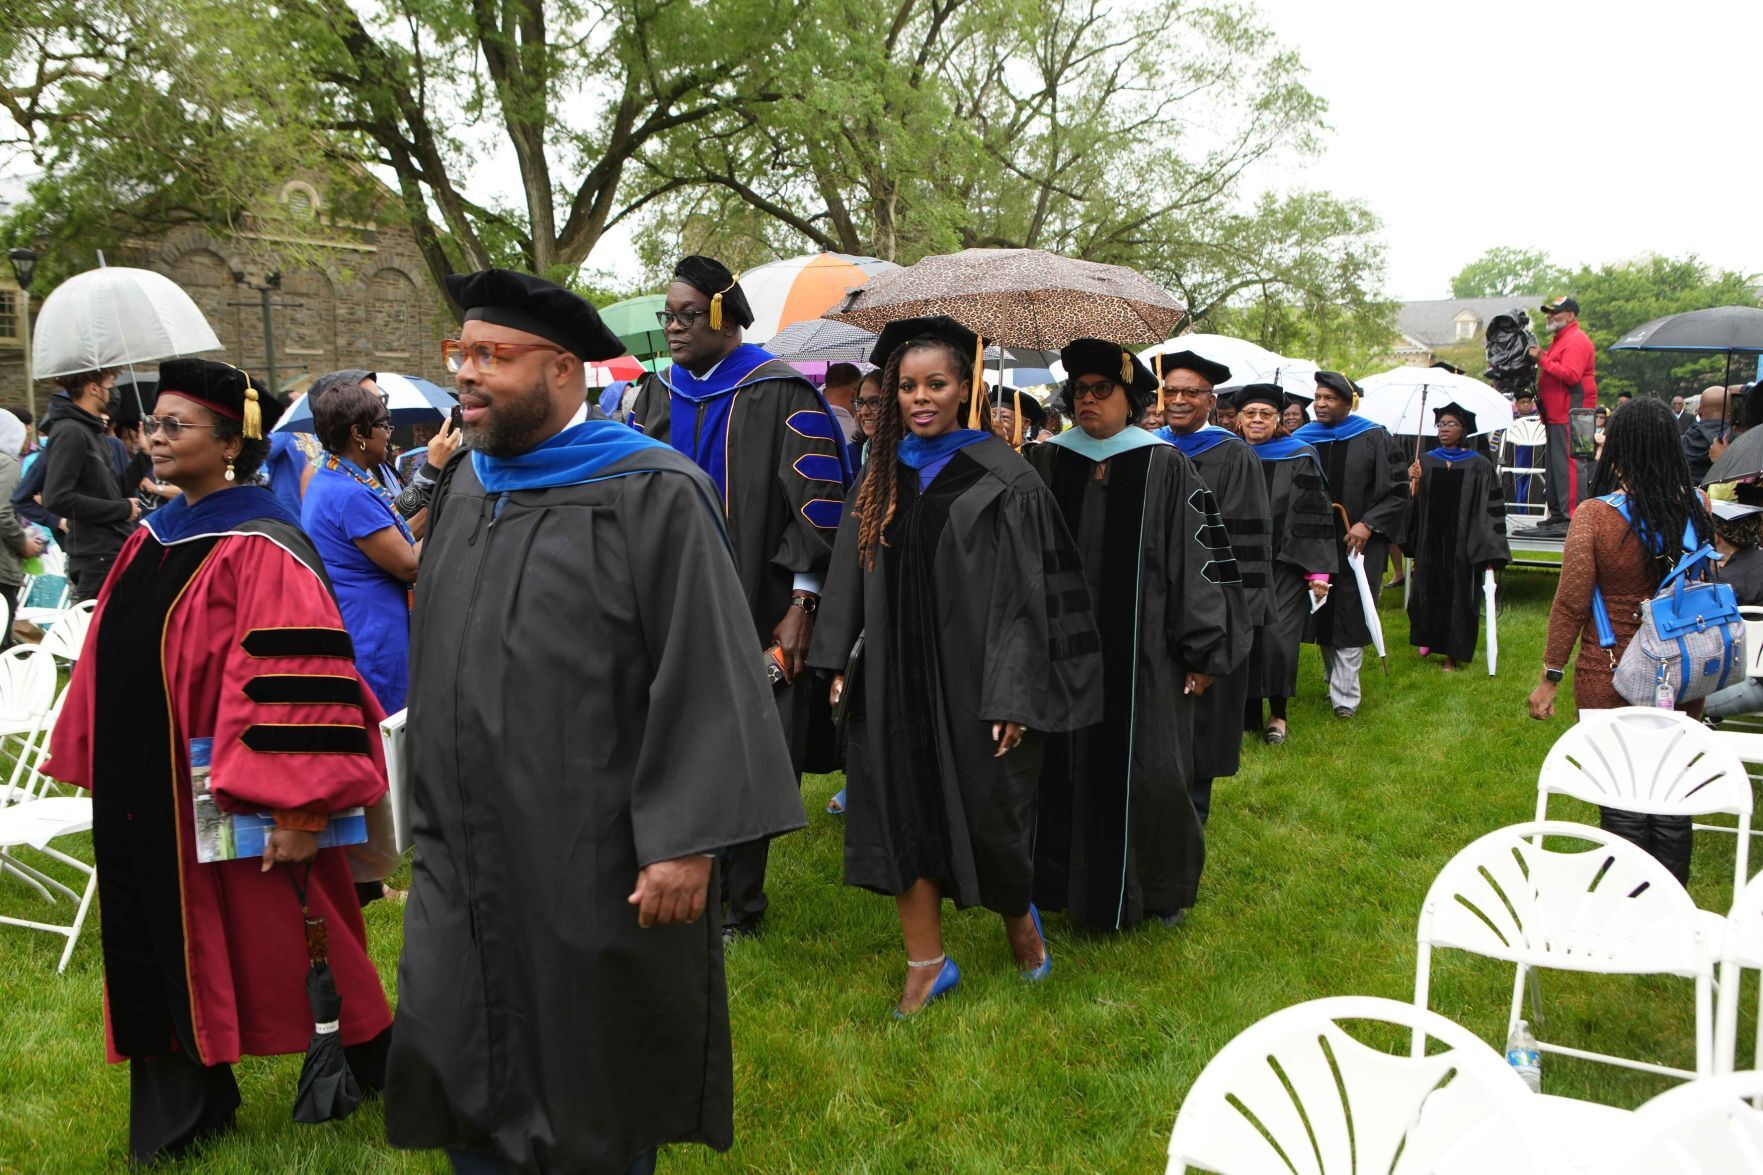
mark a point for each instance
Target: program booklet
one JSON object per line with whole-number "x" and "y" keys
{"x": 228, "y": 836}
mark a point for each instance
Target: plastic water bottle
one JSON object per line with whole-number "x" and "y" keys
{"x": 1664, "y": 696}
{"x": 1522, "y": 1054}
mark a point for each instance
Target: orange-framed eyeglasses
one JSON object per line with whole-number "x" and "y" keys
{"x": 454, "y": 352}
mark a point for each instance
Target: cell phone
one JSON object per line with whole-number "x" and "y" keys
{"x": 458, "y": 418}
{"x": 774, "y": 666}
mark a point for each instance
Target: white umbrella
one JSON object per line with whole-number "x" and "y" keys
{"x": 113, "y": 317}
{"x": 1356, "y": 560}
{"x": 798, "y": 289}
{"x": 1487, "y": 592}
{"x": 1403, "y": 400}
{"x": 1249, "y": 363}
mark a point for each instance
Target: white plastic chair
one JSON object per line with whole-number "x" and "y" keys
{"x": 1295, "y": 1093}
{"x": 1753, "y": 639}
{"x": 1610, "y": 909}
{"x": 1528, "y": 431}
{"x": 32, "y": 821}
{"x": 1703, "y": 1128}
{"x": 1661, "y": 762}
{"x": 27, "y": 700}
{"x": 66, "y": 635}
{"x": 1741, "y": 947}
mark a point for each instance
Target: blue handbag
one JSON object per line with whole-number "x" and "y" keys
{"x": 1691, "y": 640}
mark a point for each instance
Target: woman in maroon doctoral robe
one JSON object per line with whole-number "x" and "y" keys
{"x": 216, "y": 623}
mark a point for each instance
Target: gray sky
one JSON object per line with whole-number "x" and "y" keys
{"x": 1644, "y": 120}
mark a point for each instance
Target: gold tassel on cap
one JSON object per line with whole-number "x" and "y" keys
{"x": 716, "y": 303}
{"x": 979, "y": 367}
{"x": 1157, "y": 364}
{"x": 1016, "y": 435}
{"x": 253, "y": 422}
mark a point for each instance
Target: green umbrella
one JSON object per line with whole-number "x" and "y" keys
{"x": 633, "y": 321}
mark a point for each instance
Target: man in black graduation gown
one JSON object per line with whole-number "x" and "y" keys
{"x": 1117, "y": 835}
{"x": 589, "y": 725}
{"x": 1368, "y": 480}
{"x": 776, "y": 454}
{"x": 1232, "y": 472}
{"x": 1458, "y": 532}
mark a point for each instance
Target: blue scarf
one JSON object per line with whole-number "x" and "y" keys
{"x": 1192, "y": 444}
{"x": 1318, "y": 433}
{"x": 1451, "y": 456}
{"x": 221, "y": 512}
{"x": 574, "y": 456}
{"x": 1085, "y": 445}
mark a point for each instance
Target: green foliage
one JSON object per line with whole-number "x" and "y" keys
{"x": 1616, "y": 298}
{"x": 1503, "y": 271}
{"x": 1319, "y": 853}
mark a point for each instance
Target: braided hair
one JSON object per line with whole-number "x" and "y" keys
{"x": 879, "y": 497}
{"x": 1643, "y": 458}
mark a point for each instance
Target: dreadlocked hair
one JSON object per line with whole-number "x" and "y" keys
{"x": 880, "y": 494}
{"x": 1643, "y": 459}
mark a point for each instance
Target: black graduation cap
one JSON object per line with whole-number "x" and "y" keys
{"x": 223, "y": 389}
{"x": 1098, "y": 357}
{"x": 934, "y": 326}
{"x": 1271, "y": 394}
{"x": 536, "y": 306}
{"x": 723, "y": 288}
{"x": 1335, "y": 382}
{"x": 1026, "y": 407}
{"x": 1213, "y": 373}
{"x": 1463, "y": 415}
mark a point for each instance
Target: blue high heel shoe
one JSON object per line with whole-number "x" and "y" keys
{"x": 836, "y": 805}
{"x": 1046, "y": 965}
{"x": 947, "y": 977}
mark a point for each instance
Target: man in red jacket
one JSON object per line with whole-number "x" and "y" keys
{"x": 1566, "y": 379}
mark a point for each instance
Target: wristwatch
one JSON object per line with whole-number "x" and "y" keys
{"x": 1554, "y": 675}
{"x": 808, "y": 604}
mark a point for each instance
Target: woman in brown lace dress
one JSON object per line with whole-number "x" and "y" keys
{"x": 1643, "y": 462}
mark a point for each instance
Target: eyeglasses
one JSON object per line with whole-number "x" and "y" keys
{"x": 1259, "y": 413}
{"x": 485, "y": 356}
{"x": 1099, "y": 391}
{"x": 686, "y": 318}
{"x": 385, "y": 424}
{"x": 172, "y": 425}
{"x": 867, "y": 402}
{"x": 1170, "y": 393}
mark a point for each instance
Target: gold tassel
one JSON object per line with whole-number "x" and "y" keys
{"x": 1125, "y": 370}
{"x": 1157, "y": 363}
{"x": 716, "y": 303}
{"x": 1016, "y": 436}
{"x": 979, "y": 366}
{"x": 253, "y": 422}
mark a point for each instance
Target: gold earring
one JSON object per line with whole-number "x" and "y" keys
{"x": 229, "y": 469}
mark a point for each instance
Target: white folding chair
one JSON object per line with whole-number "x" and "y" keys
{"x": 1610, "y": 909}
{"x": 66, "y": 635}
{"x": 1705, "y": 1127}
{"x": 27, "y": 699}
{"x": 32, "y": 821}
{"x": 1741, "y": 947}
{"x": 1296, "y": 1093}
{"x": 50, "y": 596}
{"x": 1526, "y": 432}
{"x": 1661, "y": 762}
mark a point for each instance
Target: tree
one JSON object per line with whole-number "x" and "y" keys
{"x": 1616, "y": 298}
{"x": 1504, "y": 272}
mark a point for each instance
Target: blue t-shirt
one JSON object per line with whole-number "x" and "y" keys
{"x": 283, "y": 467}
{"x": 338, "y": 510}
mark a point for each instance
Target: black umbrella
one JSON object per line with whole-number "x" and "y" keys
{"x": 327, "y": 1088}
{"x": 1730, "y": 329}
{"x": 1743, "y": 458}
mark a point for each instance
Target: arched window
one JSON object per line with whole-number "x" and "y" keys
{"x": 300, "y": 199}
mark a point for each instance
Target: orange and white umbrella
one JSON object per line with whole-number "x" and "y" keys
{"x": 801, "y": 288}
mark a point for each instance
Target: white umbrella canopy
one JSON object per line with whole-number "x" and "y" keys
{"x": 798, "y": 289}
{"x": 1403, "y": 400}
{"x": 1249, "y": 363}
{"x": 114, "y": 317}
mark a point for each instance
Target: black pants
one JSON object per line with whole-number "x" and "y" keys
{"x": 86, "y": 575}
{"x": 1200, "y": 790}
{"x": 743, "y": 883}
{"x": 1666, "y": 837}
{"x": 1567, "y": 478}
{"x": 1276, "y": 708}
{"x": 9, "y": 593}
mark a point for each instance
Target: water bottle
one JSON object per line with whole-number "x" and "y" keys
{"x": 1522, "y": 1054}
{"x": 1664, "y": 696}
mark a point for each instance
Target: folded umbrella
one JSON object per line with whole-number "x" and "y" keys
{"x": 1743, "y": 458}
{"x": 327, "y": 1088}
{"x": 1356, "y": 561}
{"x": 1488, "y": 588}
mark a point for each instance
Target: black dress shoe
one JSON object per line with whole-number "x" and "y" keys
{"x": 738, "y": 930}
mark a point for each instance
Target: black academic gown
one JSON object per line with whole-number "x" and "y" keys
{"x": 974, "y": 613}
{"x": 1117, "y": 836}
{"x": 1369, "y": 477}
{"x": 1302, "y": 545}
{"x": 1459, "y": 527}
{"x": 584, "y": 701}
{"x": 1232, "y": 472}
{"x": 781, "y": 499}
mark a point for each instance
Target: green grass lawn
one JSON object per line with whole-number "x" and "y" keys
{"x": 1319, "y": 854}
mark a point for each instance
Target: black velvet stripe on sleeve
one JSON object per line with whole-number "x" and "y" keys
{"x": 298, "y": 642}
{"x": 306, "y": 739}
{"x": 304, "y": 688}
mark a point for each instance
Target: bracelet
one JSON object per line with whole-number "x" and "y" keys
{"x": 808, "y": 604}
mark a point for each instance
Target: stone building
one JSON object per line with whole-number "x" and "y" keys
{"x": 349, "y": 294}
{"x": 1425, "y": 329}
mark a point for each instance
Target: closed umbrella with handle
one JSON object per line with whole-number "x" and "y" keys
{"x": 327, "y": 1089}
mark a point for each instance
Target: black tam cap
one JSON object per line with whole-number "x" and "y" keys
{"x": 1213, "y": 373}
{"x": 1097, "y": 357}
{"x": 1337, "y": 383}
{"x": 1463, "y": 416}
{"x": 224, "y": 390}
{"x": 538, "y": 307}
{"x": 1270, "y": 394}
{"x": 713, "y": 279}
{"x": 1031, "y": 407}
{"x": 939, "y": 327}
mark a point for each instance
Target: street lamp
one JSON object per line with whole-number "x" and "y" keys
{"x": 24, "y": 267}
{"x": 271, "y": 283}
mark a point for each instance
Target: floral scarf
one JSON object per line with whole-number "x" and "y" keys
{"x": 351, "y": 470}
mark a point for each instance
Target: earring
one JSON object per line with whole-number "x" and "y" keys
{"x": 229, "y": 469}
